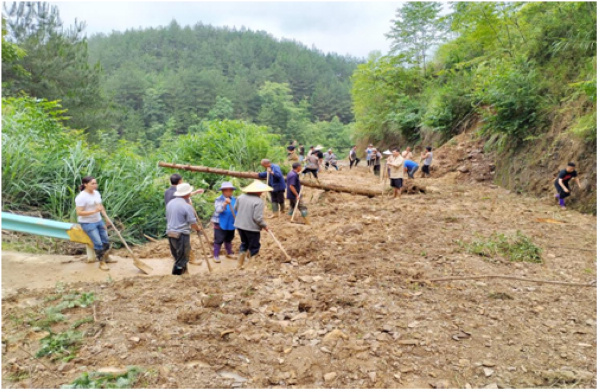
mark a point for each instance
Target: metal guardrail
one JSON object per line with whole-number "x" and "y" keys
{"x": 48, "y": 228}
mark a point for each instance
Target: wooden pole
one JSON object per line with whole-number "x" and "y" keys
{"x": 200, "y": 239}
{"x": 296, "y": 206}
{"x": 287, "y": 257}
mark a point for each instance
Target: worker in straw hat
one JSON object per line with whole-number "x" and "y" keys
{"x": 180, "y": 218}
{"x": 222, "y": 221}
{"x": 249, "y": 219}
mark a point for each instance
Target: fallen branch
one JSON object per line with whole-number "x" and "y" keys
{"x": 150, "y": 238}
{"x": 478, "y": 277}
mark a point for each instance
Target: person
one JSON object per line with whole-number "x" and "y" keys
{"x": 330, "y": 159}
{"x": 222, "y": 220}
{"x": 396, "y": 165}
{"x": 562, "y": 184}
{"x": 319, "y": 155}
{"x": 293, "y": 192}
{"x": 249, "y": 220}
{"x": 180, "y": 218}
{"x": 277, "y": 182}
{"x": 407, "y": 154}
{"x": 301, "y": 152}
{"x": 176, "y": 179}
{"x": 353, "y": 157}
{"x": 411, "y": 167}
{"x": 427, "y": 158}
{"x": 312, "y": 165}
{"x": 387, "y": 161}
{"x": 376, "y": 155}
{"x": 88, "y": 206}
{"x": 291, "y": 151}
{"x": 368, "y": 151}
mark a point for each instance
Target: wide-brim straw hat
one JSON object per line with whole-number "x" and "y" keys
{"x": 387, "y": 152}
{"x": 227, "y": 185}
{"x": 319, "y": 147}
{"x": 257, "y": 187}
{"x": 183, "y": 190}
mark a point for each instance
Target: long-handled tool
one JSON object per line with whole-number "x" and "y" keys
{"x": 202, "y": 243}
{"x": 296, "y": 206}
{"x": 287, "y": 257}
{"x": 137, "y": 262}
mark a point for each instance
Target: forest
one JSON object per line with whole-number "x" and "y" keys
{"x": 113, "y": 105}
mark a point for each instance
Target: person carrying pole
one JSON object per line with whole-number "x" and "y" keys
{"x": 293, "y": 192}
{"x": 562, "y": 184}
{"x": 427, "y": 158}
{"x": 180, "y": 218}
{"x": 396, "y": 165}
{"x": 275, "y": 180}
{"x": 88, "y": 205}
{"x": 249, "y": 220}
{"x": 222, "y": 221}
{"x": 353, "y": 158}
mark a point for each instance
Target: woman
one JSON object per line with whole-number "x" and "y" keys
{"x": 89, "y": 206}
{"x": 222, "y": 220}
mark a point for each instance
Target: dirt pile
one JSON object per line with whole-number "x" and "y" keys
{"x": 346, "y": 312}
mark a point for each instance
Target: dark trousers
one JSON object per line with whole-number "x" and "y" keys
{"x": 354, "y": 162}
{"x": 180, "y": 249}
{"x": 425, "y": 169}
{"x": 561, "y": 193}
{"x": 376, "y": 169}
{"x": 312, "y": 171}
{"x": 411, "y": 172}
{"x": 250, "y": 241}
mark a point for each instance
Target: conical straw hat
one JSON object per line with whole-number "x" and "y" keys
{"x": 387, "y": 152}
{"x": 257, "y": 187}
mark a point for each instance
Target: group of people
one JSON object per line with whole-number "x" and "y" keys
{"x": 245, "y": 213}
{"x": 313, "y": 161}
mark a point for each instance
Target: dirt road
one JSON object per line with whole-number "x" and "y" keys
{"x": 346, "y": 312}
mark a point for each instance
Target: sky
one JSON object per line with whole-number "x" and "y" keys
{"x": 346, "y": 28}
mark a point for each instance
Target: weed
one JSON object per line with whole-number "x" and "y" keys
{"x": 450, "y": 219}
{"x": 516, "y": 248}
{"x": 82, "y": 321}
{"x": 424, "y": 254}
{"x": 18, "y": 376}
{"x": 249, "y": 292}
{"x": 60, "y": 346}
{"x": 588, "y": 271}
{"x": 95, "y": 380}
{"x": 502, "y": 296}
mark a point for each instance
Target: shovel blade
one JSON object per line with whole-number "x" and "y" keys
{"x": 145, "y": 268}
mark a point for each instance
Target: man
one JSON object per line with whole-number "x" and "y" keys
{"x": 291, "y": 151}
{"x": 389, "y": 158}
{"x": 396, "y": 165}
{"x": 407, "y": 154}
{"x": 368, "y": 151}
{"x": 222, "y": 221}
{"x": 277, "y": 182}
{"x": 180, "y": 217}
{"x": 319, "y": 155}
{"x": 293, "y": 192}
{"x": 562, "y": 184}
{"x": 330, "y": 159}
{"x": 176, "y": 180}
{"x": 301, "y": 152}
{"x": 249, "y": 220}
{"x": 353, "y": 158}
{"x": 376, "y": 156}
{"x": 411, "y": 167}
{"x": 427, "y": 158}
{"x": 312, "y": 165}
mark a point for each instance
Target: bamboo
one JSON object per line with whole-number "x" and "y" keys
{"x": 319, "y": 185}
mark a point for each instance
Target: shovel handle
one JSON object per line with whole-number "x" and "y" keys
{"x": 296, "y": 206}
{"x": 287, "y": 257}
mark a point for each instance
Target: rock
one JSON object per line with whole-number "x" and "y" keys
{"x": 488, "y": 363}
{"x": 212, "y": 301}
{"x": 440, "y": 384}
{"x": 463, "y": 169}
{"x": 328, "y": 377}
{"x": 488, "y": 372}
{"x": 356, "y": 228}
{"x": 387, "y": 328}
{"x": 352, "y": 278}
{"x": 408, "y": 342}
{"x": 65, "y": 367}
{"x": 134, "y": 339}
{"x": 334, "y": 336}
{"x": 491, "y": 386}
{"x": 468, "y": 386}
{"x": 589, "y": 322}
{"x": 373, "y": 376}
{"x": 300, "y": 316}
{"x": 511, "y": 369}
{"x": 112, "y": 370}
{"x": 464, "y": 362}
{"x": 306, "y": 279}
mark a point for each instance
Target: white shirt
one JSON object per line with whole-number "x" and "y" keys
{"x": 396, "y": 171}
{"x": 88, "y": 202}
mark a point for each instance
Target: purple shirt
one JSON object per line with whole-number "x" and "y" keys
{"x": 293, "y": 179}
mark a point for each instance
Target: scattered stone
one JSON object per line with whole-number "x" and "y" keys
{"x": 135, "y": 339}
{"x": 373, "y": 376}
{"x": 464, "y": 362}
{"x": 488, "y": 372}
{"x": 408, "y": 342}
{"x": 491, "y": 386}
{"x": 328, "y": 377}
{"x": 65, "y": 367}
{"x": 463, "y": 169}
{"x": 440, "y": 384}
{"x": 488, "y": 363}
{"x": 334, "y": 335}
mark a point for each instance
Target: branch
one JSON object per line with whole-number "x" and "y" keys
{"x": 478, "y": 277}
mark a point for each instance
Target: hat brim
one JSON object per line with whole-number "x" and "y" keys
{"x": 177, "y": 194}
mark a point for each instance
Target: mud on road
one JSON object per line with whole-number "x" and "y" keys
{"x": 346, "y": 313}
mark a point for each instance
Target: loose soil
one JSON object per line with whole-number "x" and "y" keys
{"x": 346, "y": 312}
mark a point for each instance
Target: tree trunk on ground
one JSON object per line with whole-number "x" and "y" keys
{"x": 310, "y": 184}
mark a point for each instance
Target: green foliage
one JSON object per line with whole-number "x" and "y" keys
{"x": 97, "y": 380}
{"x": 62, "y": 346}
{"x": 448, "y": 107}
{"x": 80, "y": 322}
{"x": 516, "y": 248}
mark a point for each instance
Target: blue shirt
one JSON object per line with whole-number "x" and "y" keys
{"x": 293, "y": 179}
{"x": 276, "y": 180}
{"x": 222, "y": 214}
{"x": 410, "y": 164}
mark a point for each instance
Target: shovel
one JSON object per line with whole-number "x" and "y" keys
{"x": 287, "y": 257}
{"x": 296, "y": 206}
{"x": 202, "y": 243}
{"x": 137, "y": 262}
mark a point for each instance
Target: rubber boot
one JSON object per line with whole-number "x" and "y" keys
{"x": 305, "y": 216}
{"x": 216, "y": 251}
{"x": 281, "y": 209}
{"x": 99, "y": 256}
{"x": 107, "y": 248}
{"x": 274, "y": 209}
{"x": 241, "y": 259}
{"x": 229, "y": 249}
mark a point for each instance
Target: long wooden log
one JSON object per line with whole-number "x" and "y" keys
{"x": 327, "y": 187}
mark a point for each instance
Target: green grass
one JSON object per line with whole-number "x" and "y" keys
{"x": 96, "y": 380}
{"x": 82, "y": 321}
{"x": 517, "y": 247}
{"x": 62, "y": 346}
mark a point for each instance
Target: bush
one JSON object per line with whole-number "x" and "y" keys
{"x": 448, "y": 106}
{"x": 96, "y": 380}
{"x": 516, "y": 248}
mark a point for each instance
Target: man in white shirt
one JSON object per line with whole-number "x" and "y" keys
{"x": 407, "y": 154}
{"x": 396, "y": 166}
